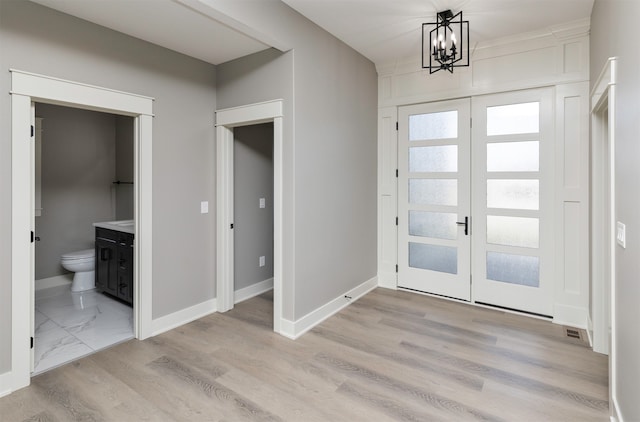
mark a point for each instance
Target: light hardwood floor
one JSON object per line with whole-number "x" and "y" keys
{"x": 390, "y": 356}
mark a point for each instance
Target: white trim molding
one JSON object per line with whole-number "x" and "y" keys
{"x": 224, "y": 218}
{"x": 603, "y": 182}
{"x": 183, "y": 316}
{"x": 26, "y": 89}
{"x": 571, "y": 316}
{"x": 552, "y": 56}
{"x": 251, "y": 114}
{"x": 89, "y": 97}
{"x": 55, "y": 281}
{"x": 603, "y": 212}
{"x": 251, "y": 291}
{"x": 294, "y": 329}
{"x": 615, "y": 412}
{"x": 571, "y": 205}
{"x": 21, "y": 251}
{"x": 387, "y": 197}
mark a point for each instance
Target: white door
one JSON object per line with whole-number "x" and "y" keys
{"x": 33, "y": 174}
{"x": 498, "y": 176}
{"x": 434, "y": 198}
{"x": 513, "y": 248}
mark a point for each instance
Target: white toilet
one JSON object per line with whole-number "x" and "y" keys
{"x": 83, "y": 264}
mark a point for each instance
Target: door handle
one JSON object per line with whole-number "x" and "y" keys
{"x": 464, "y": 223}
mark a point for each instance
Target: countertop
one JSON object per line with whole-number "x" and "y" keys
{"x": 126, "y": 226}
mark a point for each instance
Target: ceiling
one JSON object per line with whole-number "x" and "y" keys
{"x": 381, "y": 30}
{"x": 172, "y": 24}
{"x": 386, "y": 30}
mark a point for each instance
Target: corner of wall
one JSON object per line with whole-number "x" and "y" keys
{"x": 182, "y": 317}
{"x": 253, "y": 290}
{"x": 295, "y": 329}
{"x": 5, "y": 384}
{"x": 615, "y": 411}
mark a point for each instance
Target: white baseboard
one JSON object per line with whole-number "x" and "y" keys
{"x": 590, "y": 331}
{"x": 55, "y": 281}
{"x": 184, "y": 316}
{"x": 294, "y": 329}
{"x": 571, "y": 316}
{"x": 5, "y": 384}
{"x": 615, "y": 411}
{"x": 253, "y": 290}
{"x": 387, "y": 280}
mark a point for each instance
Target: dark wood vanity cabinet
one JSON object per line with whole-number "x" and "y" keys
{"x": 114, "y": 263}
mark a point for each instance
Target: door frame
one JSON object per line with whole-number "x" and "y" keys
{"x": 603, "y": 234}
{"x": 27, "y": 88}
{"x": 602, "y": 240}
{"x": 226, "y": 120}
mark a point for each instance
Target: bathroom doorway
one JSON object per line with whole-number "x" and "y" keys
{"x": 83, "y": 176}
{"x": 253, "y": 215}
{"x": 27, "y": 88}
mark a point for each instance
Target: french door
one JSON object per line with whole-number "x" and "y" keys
{"x": 434, "y": 205}
{"x": 512, "y": 191}
{"x": 475, "y": 205}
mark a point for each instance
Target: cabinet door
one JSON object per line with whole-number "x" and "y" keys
{"x": 106, "y": 266}
{"x": 125, "y": 273}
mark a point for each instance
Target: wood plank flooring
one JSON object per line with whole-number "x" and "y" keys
{"x": 390, "y": 356}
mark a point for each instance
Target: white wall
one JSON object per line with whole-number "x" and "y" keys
{"x": 611, "y": 23}
{"x": 39, "y": 40}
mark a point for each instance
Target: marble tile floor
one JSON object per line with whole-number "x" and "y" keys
{"x": 71, "y": 325}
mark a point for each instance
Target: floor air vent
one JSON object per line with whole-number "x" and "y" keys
{"x": 573, "y": 333}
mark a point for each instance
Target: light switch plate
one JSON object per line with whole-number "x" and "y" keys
{"x": 204, "y": 207}
{"x": 262, "y": 203}
{"x": 261, "y": 261}
{"x": 621, "y": 234}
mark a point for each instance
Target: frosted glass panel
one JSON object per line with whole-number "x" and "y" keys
{"x": 515, "y": 194}
{"x": 423, "y": 127}
{"x": 433, "y": 191}
{"x": 513, "y": 156}
{"x": 439, "y": 225}
{"x": 433, "y": 257}
{"x": 513, "y": 269}
{"x": 513, "y": 231}
{"x": 438, "y": 159}
{"x": 513, "y": 118}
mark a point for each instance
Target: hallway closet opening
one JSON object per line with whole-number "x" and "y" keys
{"x": 253, "y": 214}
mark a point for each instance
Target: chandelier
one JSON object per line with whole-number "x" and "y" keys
{"x": 445, "y": 43}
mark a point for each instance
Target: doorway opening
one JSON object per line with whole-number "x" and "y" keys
{"x": 26, "y": 90}
{"x": 226, "y": 121}
{"x": 83, "y": 180}
{"x": 253, "y": 211}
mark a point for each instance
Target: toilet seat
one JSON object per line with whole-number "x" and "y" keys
{"x": 79, "y": 255}
{"x": 82, "y": 264}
